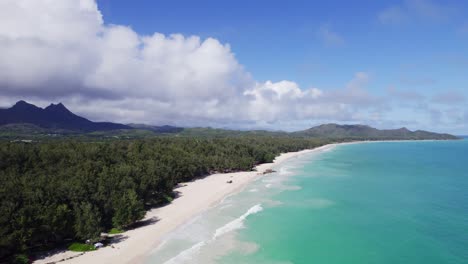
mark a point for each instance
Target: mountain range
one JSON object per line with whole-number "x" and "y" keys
{"x": 54, "y": 116}
{"x": 363, "y": 131}
{"x": 25, "y": 119}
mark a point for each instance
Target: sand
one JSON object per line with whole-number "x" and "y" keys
{"x": 195, "y": 197}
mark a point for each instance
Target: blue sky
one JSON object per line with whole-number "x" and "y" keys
{"x": 245, "y": 64}
{"x": 277, "y": 41}
{"x": 424, "y": 49}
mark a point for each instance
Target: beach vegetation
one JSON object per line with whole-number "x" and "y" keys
{"x": 21, "y": 259}
{"x": 81, "y": 247}
{"x": 53, "y": 192}
{"x": 115, "y": 231}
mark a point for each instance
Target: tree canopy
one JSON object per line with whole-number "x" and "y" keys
{"x": 56, "y": 191}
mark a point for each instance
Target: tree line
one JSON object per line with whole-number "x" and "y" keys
{"x": 60, "y": 191}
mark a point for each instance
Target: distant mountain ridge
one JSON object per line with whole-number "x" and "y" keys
{"x": 363, "y": 131}
{"x": 54, "y": 116}
{"x": 24, "y": 119}
{"x": 157, "y": 129}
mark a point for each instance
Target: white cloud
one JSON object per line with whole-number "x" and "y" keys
{"x": 284, "y": 100}
{"x": 281, "y": 100}
{"x": 38, "y": 20}
{"x": 63, "y": 51}
{"x": 47, "y": 48}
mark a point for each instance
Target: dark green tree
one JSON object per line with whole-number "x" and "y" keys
{"x": 87, "y": 222}
{"x": 128, "y": 209}
{"x": 53, "y": 191}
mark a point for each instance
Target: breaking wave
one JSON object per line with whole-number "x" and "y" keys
{"x": 237, "y": 223}
{"x": 187, "y": 255}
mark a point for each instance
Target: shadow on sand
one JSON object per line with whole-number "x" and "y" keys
{"x": 143, "y": 223}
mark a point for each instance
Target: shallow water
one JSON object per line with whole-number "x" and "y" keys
{"x": 387, "y": 202}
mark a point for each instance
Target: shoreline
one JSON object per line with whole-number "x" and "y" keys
{"x": 136, "y": 244}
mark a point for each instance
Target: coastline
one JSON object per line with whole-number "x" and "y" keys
{"x": 134, "y": 245}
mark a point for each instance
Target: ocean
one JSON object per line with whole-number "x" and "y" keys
{"x": 379, "y": 202}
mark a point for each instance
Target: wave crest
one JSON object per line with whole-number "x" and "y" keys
{"x": 237, "y": 223}
{"x": 187, "y": 255}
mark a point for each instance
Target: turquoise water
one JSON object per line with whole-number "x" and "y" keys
{"x": 387, "y": 202}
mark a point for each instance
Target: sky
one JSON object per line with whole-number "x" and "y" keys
{"x": 278, "y": 65}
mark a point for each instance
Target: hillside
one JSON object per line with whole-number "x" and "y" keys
{"x": 54, "y": 116}
{"x": 366, "y": 132}
{"x": 157, "y": 129}
{"x": 219, "y": 133}
{"x": 25, "y": 120}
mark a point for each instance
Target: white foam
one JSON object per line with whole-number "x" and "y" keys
{"x": 237, "y": 223}
{"x": 190, "y": 226}
{"x": 272, "y": 180}
{"x": 187, "y": 255}
{"x": 228, "y": 205}
{"x": 284, "y": 171}
{"x": 253, "y": 190}
{"x": 159, "y": 247}
{"x": 226, "y": 199}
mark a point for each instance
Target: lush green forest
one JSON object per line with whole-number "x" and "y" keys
{"x": 331, "y": 131}
{"x": 62, "y": 191}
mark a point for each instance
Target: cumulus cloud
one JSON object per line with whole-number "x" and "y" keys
{"x": 63, "y": 50}
{"x": 271, "y": 102}
{"x": 284, "y": 100}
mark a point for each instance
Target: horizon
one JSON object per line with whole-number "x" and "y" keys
{"x": 241, "y": 65}
{"x": 234, "y": 129}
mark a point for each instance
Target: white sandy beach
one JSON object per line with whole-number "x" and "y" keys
{"x": 195, "y": 197}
